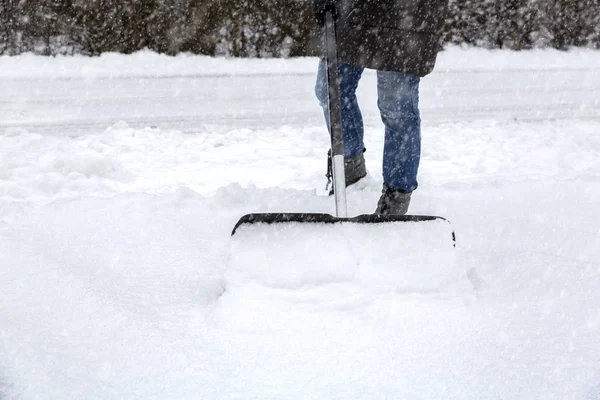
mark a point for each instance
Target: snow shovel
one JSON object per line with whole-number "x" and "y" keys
{"x": 293, "y": 249}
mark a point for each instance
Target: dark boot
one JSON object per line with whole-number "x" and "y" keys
{"x": 392, "y": 202}
{"x": 355, "y": 169}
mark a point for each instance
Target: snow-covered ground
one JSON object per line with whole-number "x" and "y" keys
{"x": 121, "y": 178}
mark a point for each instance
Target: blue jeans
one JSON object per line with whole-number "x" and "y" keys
{"x": 398, "y": 102}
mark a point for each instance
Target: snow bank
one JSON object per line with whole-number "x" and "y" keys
{"x": 476, "y": 59}
{"x": 150, "y": 64}
{"x": 145, "y": 64}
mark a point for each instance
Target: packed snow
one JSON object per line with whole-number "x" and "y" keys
{"x": 121, "y": 178}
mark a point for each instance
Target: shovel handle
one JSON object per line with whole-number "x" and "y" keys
{"x": 335, "y": 117}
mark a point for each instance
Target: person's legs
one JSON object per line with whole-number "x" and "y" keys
{"x": 352, "y": 122}
{"x": 398, "y": 101}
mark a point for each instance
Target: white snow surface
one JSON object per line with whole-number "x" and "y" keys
{"x": 121, "y": 178}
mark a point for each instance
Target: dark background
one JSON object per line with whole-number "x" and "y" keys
{"x": 267, "y": 28}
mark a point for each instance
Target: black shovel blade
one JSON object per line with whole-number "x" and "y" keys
{"x": 315, "y": 218}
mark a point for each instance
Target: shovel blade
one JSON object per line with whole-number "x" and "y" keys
{"x": 315, "y": 218}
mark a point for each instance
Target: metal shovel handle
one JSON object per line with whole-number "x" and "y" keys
{"x": 335, "y": 117}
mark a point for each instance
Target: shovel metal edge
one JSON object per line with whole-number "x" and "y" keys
{"x": 277, "y": 218}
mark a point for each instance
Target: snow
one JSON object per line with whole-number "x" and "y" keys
{"x": 121, "y": 178}
{"x": 413, "y": 257}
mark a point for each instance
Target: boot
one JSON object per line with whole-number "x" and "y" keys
{"x": 392, "y": 202}
{"x": 355, "y": 169}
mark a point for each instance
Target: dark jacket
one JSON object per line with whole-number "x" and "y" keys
{"x": 389, "y": 35}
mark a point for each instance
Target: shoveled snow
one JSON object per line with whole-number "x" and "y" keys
{"x": 396, "y": 257}
{"x": 117, "y": 277}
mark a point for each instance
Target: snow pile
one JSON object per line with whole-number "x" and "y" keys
{"x": 397, "y": 257}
